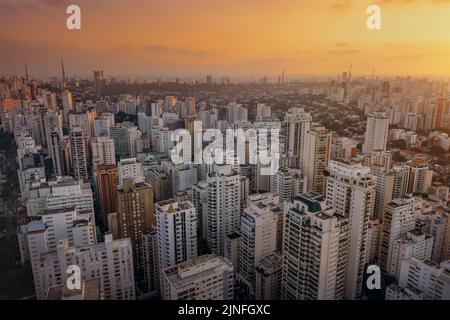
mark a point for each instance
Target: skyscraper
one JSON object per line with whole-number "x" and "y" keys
{"x": 85, "y": 120}
{"x": 125, "y": 136}
{"x": 55, "y": 146}
{"x": 107, "y": 182}
{"x": 420, "y": 176}
{"x": 377, "y": 130}
{"x": 380, "y": 167}
{"x": 223, "y": 206}
{"x": 351, "y": 192}
{"x": 67, "y": 104}
{"x": 78, "y": 148}
{"x": 317, "y": 155}
{"x": 399, "y": 218}
{"x": 440, "y": 108}
{"x": 176, "y": 227}
{"x": 287, "y": 183}
{"x": 261, "y": 235}
{"x": 135, "y": 216}
{"x": 296, "y": 124}
{"x": 315, "y": 249}
{"x": 102, "y": 152}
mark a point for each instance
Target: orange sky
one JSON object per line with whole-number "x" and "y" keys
{"x": 226, "y": 37}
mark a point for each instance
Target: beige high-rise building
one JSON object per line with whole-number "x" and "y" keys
{"x": 420, "y": 176}
{"x": 261, "y": 235}
{"x": 296, "y": 124}
{"x": 315, "y": 249}
{"x": 377, "y": 130}
{"x": 316, "y": 158}
{"x": 224, "y": 206}
{"x": 380, "y": 167}
{"x": 351, "y": 192}
{"x": 135, "y": 216}
{"x": 107, "y": 182}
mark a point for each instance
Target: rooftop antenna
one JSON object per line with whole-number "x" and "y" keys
{"x": 62, "y": 69}
{"x": 26, "y": 72}
{"x": 350, "y": 73}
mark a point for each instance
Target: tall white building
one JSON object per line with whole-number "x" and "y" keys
{"x": 296, "y": 124}
{"x": 287, "y": 183}
{"x": 83, "y": 120}
{"x": 183, "y": 177}
{"x": 380, "y": 167}
{"x": 315, "y": 248}
{"x": 261, "y": 235}
{"x": 102, "y": 152}
{"x": 415, "y": 244}
{"x": 437, "y": 224}
{"x": 103, "y": 124}
{"x": 126, "y": 138}
{"x": 131, "y": 168}
{"x": 145, "y": 123}
{"x": 67, "y": 104}
{"x": 223, "y": 206}
{"x": 56, "y": 147}
{"x": 207, "y": 277}
{"x": 236, "y": 113}
{"x": 351, "y": 192}
{"x": 165, "y": 143}
{"x": 399, "y": 218}
{"x": 420, "y": 176}
{"x": 54, "y": 225}
{"x": 410, "y": 121}
{"x": 377, "y": 131}
{"x": 316, "y": 158}
{"x": 78, "y": 148}
{"x": 401, "y": 181}
{"x": 52, "y": 122}
{"x": 263, "y": 111}
{"x": 176, "y": 226}
{"x": 200, "y": 201}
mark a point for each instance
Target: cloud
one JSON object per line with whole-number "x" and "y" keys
{"x": 340, "y": 6}
{"x": 344, "y": 52}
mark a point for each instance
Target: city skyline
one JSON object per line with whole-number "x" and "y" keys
{"x": 230, "y": 150}
{"x": 226, "y": 38}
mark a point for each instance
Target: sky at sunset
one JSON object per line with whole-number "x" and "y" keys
{"x": 226, "y": 37}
